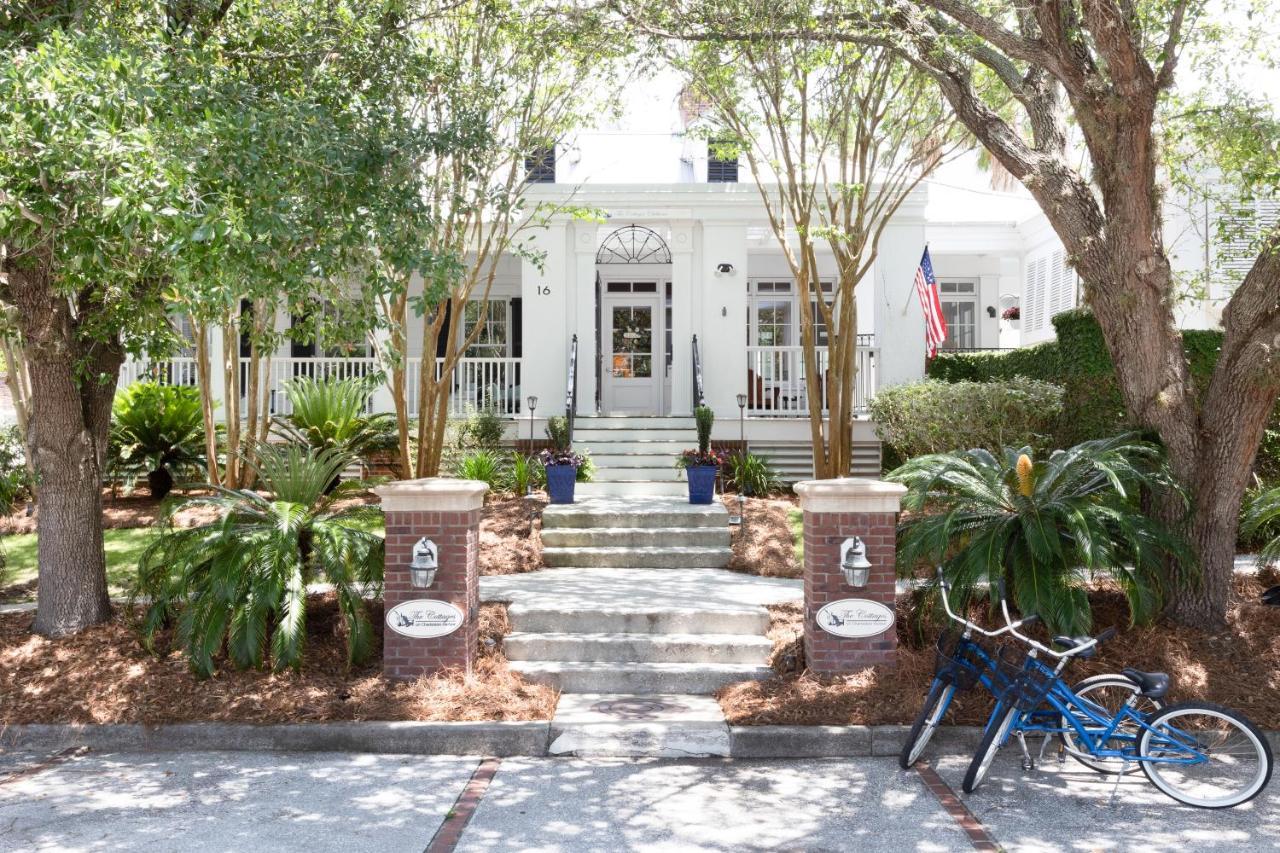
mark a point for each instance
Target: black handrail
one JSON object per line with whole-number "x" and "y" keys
{"x": 571, "y": 396}
{"x": 699, "y": 398}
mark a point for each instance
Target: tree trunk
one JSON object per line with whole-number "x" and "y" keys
{"x": 72, "y": 382}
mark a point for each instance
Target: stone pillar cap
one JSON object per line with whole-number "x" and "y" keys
{"x": 432, "y": 494}
{"x": 850, "y": 494}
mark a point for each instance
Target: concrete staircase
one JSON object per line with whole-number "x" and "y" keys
{"x": 634, "y": 455}
{"x": 635, "y": 643}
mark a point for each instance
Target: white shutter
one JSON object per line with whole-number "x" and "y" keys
{"x": 1244, "y": 227}
{"x": 1061, "y": 285}
{"x": 1033, "y": 295}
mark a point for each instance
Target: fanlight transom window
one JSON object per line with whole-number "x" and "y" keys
{"x": 634, "y": 244}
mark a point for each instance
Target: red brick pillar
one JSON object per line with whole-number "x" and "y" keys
{"x": 432, "y": 628}
{"x": 848, "y": 628}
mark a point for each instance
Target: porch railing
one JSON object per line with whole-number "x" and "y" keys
{"x": 478, "y": 383}
{"x": 777, "y": 385}
{"x": 166, "y": 371}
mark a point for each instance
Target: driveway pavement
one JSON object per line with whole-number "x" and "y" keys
{"x": 314, "y": 802}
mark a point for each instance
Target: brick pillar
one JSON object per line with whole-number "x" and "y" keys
{"x": 835, "y": 510}
{"x": 448, "y": 513}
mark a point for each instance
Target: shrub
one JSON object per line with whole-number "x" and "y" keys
{"x": 484, "y": 429}
{"x": 241, "y": 582}
{"x": 328, "y": 413}
{"x": 483, "y": 465}
{"x": 558, "y": 432}
{"x": 934, "y": 417}
{"x": 16, "y": 481}
{"x": 157, "y": 431}
{"x": 705, "y": 419}
{"x": 751, "y": 474}
{"x": 526, "y": 474}
{"x": 1042, "y": 527}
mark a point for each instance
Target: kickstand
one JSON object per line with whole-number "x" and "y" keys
{"x": 1115, "y": 789}
{"x": 1028, "y": 763}
{"x": 1044, "y": 747}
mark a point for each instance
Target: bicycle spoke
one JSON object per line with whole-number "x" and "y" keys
{"x": 1204, "y": 757}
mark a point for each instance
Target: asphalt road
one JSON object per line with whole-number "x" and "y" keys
{"x": 224, "y": 801}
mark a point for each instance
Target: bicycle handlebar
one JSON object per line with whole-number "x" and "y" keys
{"x": 1074, "y": 650}
{"x": 1009, "y": 626}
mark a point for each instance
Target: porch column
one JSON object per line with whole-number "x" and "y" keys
{"x": 382, "y": 400}
{"x": 435, "y": 627}
{"x": 547, "y": 315}
{"x": 684, "y": 323}
{"x": 724, "y": 319}
{"x": 847, "y": 628}
{"x": 217, "y": 376}
{"x": 582, "y": 284}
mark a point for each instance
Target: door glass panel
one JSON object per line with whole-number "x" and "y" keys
{"x": 632, "y": 341}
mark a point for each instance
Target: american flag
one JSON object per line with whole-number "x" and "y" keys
{"x": 935, "y": 325}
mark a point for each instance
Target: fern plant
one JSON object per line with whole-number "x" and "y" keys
{"x": 1045, "y": 527}
{"x": 240, "y": 582}
{"x": 157, "y": 431}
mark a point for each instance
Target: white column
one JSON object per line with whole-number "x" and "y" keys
{"x": 900, "y": 320}
{"x": 217, "y": 375}
{"x": 582, "y": 301}
{"x": 723, "y": 311}
{"x": 685, "y": 321}
{"x": 382, "y": 400}
{"x": 545, "y": 300}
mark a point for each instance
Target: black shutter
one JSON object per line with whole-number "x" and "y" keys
{"x": 304, "y": 347}
{"x": 442, "y": 343}
{"x": 246, "y": 322}
{"x": 517, "y": 328}
{"x": 540, "y": 166}
{"x": 720, "y": 170}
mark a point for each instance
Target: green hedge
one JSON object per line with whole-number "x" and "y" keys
{"x": 1079, "y": 362}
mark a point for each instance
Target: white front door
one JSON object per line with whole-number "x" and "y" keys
{"x": 632, "y": 369}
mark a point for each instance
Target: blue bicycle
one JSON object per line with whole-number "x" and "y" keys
{"x": 962, "y": 663}
{"x": 1198, "y": 753}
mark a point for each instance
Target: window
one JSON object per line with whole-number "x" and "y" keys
{"x": 722, "y": 162}
{"x": 772, "y": 317}
{"x": 494, "y": 336}
{"x": 960, "y": 310}
{"x": 819, "y": 326}
{"x": 540, "y": 166}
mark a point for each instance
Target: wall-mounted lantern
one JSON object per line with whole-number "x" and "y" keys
{"x": 854, "y": 564}
{"x": 724, "y": 269}
{"x": 423, "y": 566}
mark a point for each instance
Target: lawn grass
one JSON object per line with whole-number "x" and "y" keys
{"x": 123, "y": 547}
{"x": 795, "y": 520}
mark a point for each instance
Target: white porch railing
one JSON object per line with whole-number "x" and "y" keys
{"x": 777, "y": 386}
{"x": 478, "y": 383}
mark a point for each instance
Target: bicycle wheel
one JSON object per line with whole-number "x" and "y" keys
{"x": 992, "y": 740}
{"x": 935, "y": 705}
{"x": 1109, "y": 692}
{"x": 1235, "y": 764}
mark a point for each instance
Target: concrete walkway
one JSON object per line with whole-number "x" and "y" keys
{"x": 609, "y": 589}
{"x": 351, "y": 802}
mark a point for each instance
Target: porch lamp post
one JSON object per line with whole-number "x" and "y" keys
{"x": 533, "y": 404}
{"x": 740, "y": 518}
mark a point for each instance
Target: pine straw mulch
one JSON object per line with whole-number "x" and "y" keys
{"x": 1239, "y": 668}
{"x": 119, "y": 511}
{"x": 103, "y": 675}
{"x": 763, "y": 545}
{"x": 511, "y": 534}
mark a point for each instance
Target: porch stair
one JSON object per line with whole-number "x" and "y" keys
{"x": 641, "y": 604}
{"x": 634, "y": 455}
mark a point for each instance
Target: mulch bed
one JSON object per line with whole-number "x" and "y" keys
{"x": 118, "y": 511}
{"x": 511, "y": 534}
{"x": 763, "y": 545}
{"x": 1239, "y": 668}
{"x": 103, "y": 675}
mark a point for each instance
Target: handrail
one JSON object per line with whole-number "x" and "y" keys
{"x": 699, "y": 397}
{"x": 571, "y": 395}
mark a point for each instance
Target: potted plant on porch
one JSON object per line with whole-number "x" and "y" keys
{"x": 560, "y": 462}
{"x": 702, "y": 465}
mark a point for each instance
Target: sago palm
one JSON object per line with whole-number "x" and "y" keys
{"x": 241, "y": 581}
{"x": 157, "y": 431}
{"x": 1044, "y": 527}
{"x": 331, "y": 413}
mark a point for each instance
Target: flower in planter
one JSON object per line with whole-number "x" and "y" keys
{"x": 699, "y": 458}
{"x": 552, "y": 456}
{"x": 1013, "y": 312}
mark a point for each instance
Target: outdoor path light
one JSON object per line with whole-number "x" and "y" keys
{"x": 854, "y": 564}
{"x": 423, "y": 566}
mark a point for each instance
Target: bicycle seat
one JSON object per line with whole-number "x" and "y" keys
{"x": 1152, "y": 685}
{"x": 1065, "y": 642}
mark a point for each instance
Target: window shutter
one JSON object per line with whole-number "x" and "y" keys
{"x": 517, "y": 328}
{"x": 1033, "y": 295}
{"x": 720, "y": 170}
{"x": 446, "y": 330}
{"x": 540, "y": 166}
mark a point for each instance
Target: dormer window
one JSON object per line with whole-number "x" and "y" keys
{"x": 540, "y": 166}
{"x": 722, "y": 162}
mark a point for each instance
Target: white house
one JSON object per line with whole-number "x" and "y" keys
{"x": 680, "y": 290}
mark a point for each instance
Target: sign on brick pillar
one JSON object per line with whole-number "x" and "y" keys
{"x": 431, "y": 616}
{"x": 848, "y": 604}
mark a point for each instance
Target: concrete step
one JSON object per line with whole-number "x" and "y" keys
{"x": 634, "y": 488}
{"x": 635, "y": 422}
{"x": 638, "y": 678}
{"x": 622, "y": 619}
{"x": 639, "y": 726}
{"x": 602, "y": 537}
{"x": 659, "y": 473}
{"x": 666, "y": 461}
{"x": 631, "y": 446}
{"x": 661, "y": 557}
{"x": 641, "y": 648}
{"x": 623, "y": 511}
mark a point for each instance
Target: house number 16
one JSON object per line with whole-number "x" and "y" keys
{"x": 544, "y": 290}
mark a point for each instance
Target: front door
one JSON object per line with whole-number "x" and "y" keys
{"x": 632, "y": 370}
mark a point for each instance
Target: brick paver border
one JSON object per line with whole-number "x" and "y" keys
{"x": 978, "y": 835}
{"x": 450, "y": 832}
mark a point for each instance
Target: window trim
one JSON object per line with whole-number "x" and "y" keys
{"x": 973, "y": 298}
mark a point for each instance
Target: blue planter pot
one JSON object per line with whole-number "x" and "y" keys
{"x": 702, "y": 483}
{"x": 560, "y": 483}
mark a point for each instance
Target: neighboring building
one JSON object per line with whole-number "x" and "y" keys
{"x": 683, "y": 275}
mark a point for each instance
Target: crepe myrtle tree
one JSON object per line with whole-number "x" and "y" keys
{"x": 1076, "y": 99}
{"x": 837, "y": 135}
